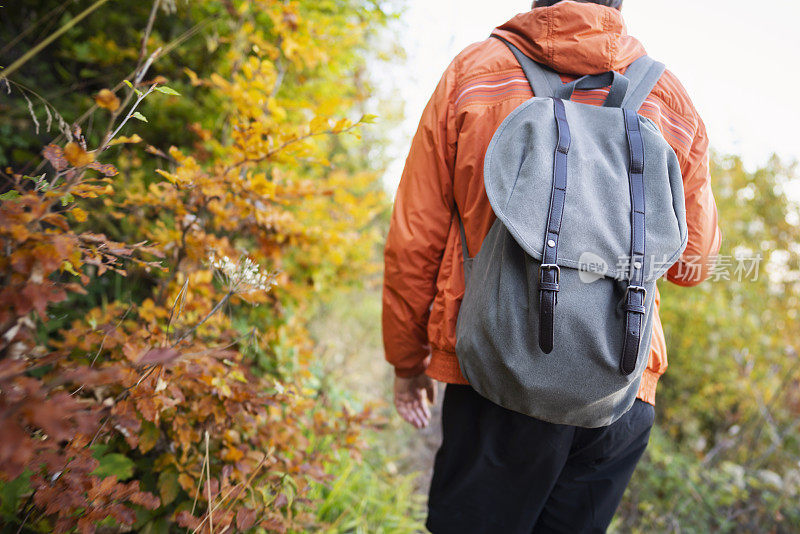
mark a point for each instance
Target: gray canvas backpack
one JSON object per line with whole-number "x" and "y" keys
{"x": 557, "y": 315}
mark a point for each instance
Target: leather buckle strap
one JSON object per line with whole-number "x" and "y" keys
{"x": 635, "y": 294}
{"x": 549, "y": 271}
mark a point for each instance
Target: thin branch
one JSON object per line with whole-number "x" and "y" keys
{"x": 33, "y": 26}
{"x": 28, "y": 514}
{"x": 131, "y": 111}
{"x": 208, "y": 480}
{"x": 216, "y": 308}
{"x": 50, "y": 38}
{"x": 287, "y": 144}
{"x": 199, "y": 485}
{"x": 148, "y": 29}
{"x": 102, "y": 343}
{"x": 181, "y": 297}
{"x": 228, "y": 494}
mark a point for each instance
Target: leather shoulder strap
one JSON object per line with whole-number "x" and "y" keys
{"x": 635, "y": 293}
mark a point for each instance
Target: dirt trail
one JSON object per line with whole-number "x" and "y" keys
{"x": 347, "y": 331}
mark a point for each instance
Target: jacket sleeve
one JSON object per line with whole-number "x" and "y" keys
{"x": 418, "y": 232}
{"x": 705, "y": 238}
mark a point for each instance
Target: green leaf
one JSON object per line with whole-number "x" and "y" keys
{"x": 137, "y": 115}
{"x": 98, "y": 449}
{"x": 369, "y": 119}
{"x": 66, "y": 199}
{"x": 11, "y": 194}
{"x": 10, "y": 493}
{"x": 168, "y": 486}
{"x": 148, "y": 437}
{"x": 135, "y": 90}
{"x": 167, "y": 90}
{"x": 115, "y": 464}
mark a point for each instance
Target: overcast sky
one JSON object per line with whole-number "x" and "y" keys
{"x": 739, "y": 60}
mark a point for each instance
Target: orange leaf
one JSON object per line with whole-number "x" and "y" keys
{"x": 232, "y": 454}
{"x": 160, "y": 80}
{"x": 153, "y": 150}
{"x": 106, "y": 99}
{"x": 76, "y": 155}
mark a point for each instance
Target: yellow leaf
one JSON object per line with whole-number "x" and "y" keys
{"x": 123, "y": 139}
{"x": 67, "y": 266}
{"x": 342, "y": 124}
{"x": 76, "y": 155}
{"x": 107, "y": 99}
{"x": 237, "y": 375}
{"x": 79, "y": 214}
{"x": 186, "y": 482}
{"x": 193, "y": 78}
{"x": 319, "y": 124}
{"x": 169, "y": 176}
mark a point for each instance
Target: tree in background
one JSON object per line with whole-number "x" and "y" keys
{"x": 725, "y": 455}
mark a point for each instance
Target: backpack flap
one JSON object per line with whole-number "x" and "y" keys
{"x": 596, "y": 222}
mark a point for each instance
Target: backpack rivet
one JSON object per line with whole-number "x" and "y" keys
{"x": 551, "y": 243}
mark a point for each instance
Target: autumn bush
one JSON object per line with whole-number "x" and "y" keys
{"x": 725, "y": 456}
{"x": 181, "y": 183}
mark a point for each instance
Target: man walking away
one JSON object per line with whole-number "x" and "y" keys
{"x": 499, "y": 470}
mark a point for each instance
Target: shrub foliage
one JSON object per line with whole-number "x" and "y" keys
{"x": 180, "y": 182}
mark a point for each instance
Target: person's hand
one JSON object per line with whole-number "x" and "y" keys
{"x": 410, "y": 399}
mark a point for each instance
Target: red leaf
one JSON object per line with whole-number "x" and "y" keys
{"x": 11, "y": 368}
{"x": 105, "y": 168}
{"x": 280, "y": 501}
{"x": 16, "y": 450}
{"x": 55, "y": 155}
{"x": 245, "y": 518}
{"x": 187, "y": 520}
{"x": 39, "y": 296}
{"x": 159, "y": 356}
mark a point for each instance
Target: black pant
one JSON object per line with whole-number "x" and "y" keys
{"x": 500, "y": 471}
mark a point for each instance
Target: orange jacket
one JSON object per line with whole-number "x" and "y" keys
{"x": 424, "y": 280}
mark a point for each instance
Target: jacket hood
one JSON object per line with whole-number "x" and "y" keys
{"x": 574, "y": 37}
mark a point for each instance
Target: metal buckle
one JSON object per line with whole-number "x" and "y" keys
{"x": 636, "y": 289}
{"x": 550, "y": 266}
